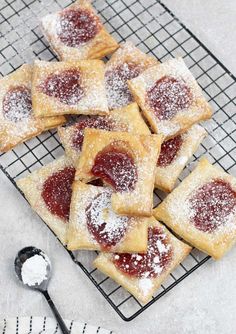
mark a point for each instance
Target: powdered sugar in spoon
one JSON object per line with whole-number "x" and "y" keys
{"x": 33, "y": 268}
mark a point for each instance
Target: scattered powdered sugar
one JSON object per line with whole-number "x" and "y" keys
{"x": 77, "y": 26}
{"x": 35, "y": 270}
{"x": 103, "y": 222}
{"x": 167, "y": 96}
{"x": 145, "y": 285}
{"x": 73, "y": 88}
{"x": 118, "y": 93}
{"x": 182, "y": 160}
{"x": 211, "y": 205}
{"x": 17, "y": 104}
{"x": 162, "y": 248}
{"x": 64, "y": 85}
{"x": 152, "y": 263}
{"x": 115, "y": 165}
{"x": 125, "y": 64}
{"x": 167, "y": 128}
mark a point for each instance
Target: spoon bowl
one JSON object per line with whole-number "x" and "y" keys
{"x": 25, "y": 254}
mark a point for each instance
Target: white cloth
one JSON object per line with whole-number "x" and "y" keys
{"x": 37, "y": 325}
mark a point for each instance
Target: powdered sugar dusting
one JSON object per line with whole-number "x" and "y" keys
{"x": 125, "y": 64}
{"x": 212, "y": 205}
{"x": 168, "y": 128}
{"x": 71, "y": 87}
{"x": 151, "y": 264}
{"x": 66, "y": 86}
{"x": 145, "y": 285}
{"x": 17, "y": 104}
{"x": 77, "y": 26}
{"x": 116, "y": 166}
{"x": 167, "y": 96}
{"x": 103, "y": 223}
{"x": 169, "y": 151}
{"x": 118, "y": 93}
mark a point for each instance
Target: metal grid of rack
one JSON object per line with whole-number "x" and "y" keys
{"x": 155, "y": 30}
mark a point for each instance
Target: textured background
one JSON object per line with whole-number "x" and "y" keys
{"x": 204, "y": 303}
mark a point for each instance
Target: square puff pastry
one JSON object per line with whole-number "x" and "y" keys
{"x": 94, "y": 202}
{"x": 93, "y": 99}
{"x": 126, "y": 63}
{"x": 144, "y": 150}
{"x": 97, "y": 47}
{"x": 32, "y": 186}
{"x": 17, "y": 123}
{"x": 144, "y": 287}
{"x": 124, "y": 119}
{"x": 167, "y": 175}
{"x": 175, "y": 70}
{"x": 178, "y": 209}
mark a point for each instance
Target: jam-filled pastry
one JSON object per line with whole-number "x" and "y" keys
{"x": 175, "y": 154}
{"x": 125, "y": 64}
{"x": 17, "y": 122}
{"x": 202, "y": 209}
{"x": 48, "y": 190}
{"x": 170, "y": 97}
{"x": 125, "y": 162}
{"x": 94, "y": 225}
{"x": 69, "y": 88}
{"x": 142, "y": 274}
{"x": 76, "y": 32}
{"x": 124, "y": 119}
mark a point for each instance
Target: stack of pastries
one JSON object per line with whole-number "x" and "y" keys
{"x": 138, "y": 131}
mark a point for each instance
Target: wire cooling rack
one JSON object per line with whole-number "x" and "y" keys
{"x": 154, "y": 29}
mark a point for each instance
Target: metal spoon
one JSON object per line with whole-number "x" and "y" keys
{"x": 24, "y": 255}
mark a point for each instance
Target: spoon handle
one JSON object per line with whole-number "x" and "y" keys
{"x": 59, "y": 319}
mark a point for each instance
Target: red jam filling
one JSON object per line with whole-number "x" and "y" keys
{"x": 116, "y": 167}
{"x": 151, "y": 264}
{"x": 212, "y": 204}
{"x": 169, "y": 151}
{"x": 118, "y": 93}
{"x": 77, "y": 27}
{"x": 96, "y": 123}
{"x": 65, "y": 86}
{"x": 105, "y": 226}
{"x": 168, "y": 96}
{"x": 16, "y": 104}
{"x": 57, "y": 191}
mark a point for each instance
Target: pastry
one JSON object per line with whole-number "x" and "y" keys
{"x": 49, "y": 190}
{"x": 124, "y": 119}
{"x": 126, "y": 162}
{"x": 17, "y": 123}
{"x": 143, "y": 274}
{"x": 69, "y": 88}
{"x": 126, "y": 63}
{"x": 174, "y": 155}
{"x": 170, "y": 97}
{"x": 202, "y": 209}
{"x": 76, "y": 32}
{"x": 95, "y": 226}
